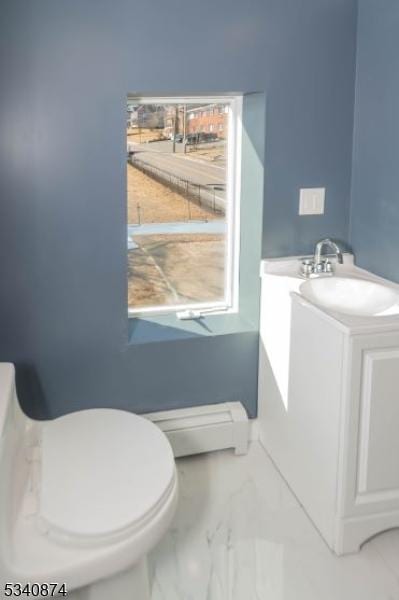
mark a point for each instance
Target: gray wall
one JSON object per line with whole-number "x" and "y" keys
{"x": 66, "y": 68}
{"x": 375, "y": 190}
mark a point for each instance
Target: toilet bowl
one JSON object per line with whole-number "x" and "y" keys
{"x": 83, "y": 498}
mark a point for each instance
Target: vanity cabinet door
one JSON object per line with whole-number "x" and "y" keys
{"x": 372, "y": 483}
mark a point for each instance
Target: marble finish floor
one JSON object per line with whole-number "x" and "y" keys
{"x": 240, "y": 534}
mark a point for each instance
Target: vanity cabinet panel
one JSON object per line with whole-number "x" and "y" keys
{"x": 373, "y": 435}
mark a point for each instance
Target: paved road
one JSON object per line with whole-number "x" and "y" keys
{"x": 211, "y": 178}
{"x": 166, "y": 146}
{"x": 182, "y": 166}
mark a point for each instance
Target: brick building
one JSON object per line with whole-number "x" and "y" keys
{"x": 211, "y": 118}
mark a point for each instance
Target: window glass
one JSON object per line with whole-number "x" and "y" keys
{"x": 179, "y": 205}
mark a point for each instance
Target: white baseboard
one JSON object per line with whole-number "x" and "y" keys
{"x": 206, "y": 428}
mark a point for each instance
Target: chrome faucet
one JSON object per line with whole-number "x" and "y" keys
{"x": 335, "y": 248}
{"x": 318, "y": 265}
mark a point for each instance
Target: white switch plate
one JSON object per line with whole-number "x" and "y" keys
{"x": 311, "y": 201}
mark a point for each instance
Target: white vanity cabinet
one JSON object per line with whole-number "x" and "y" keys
{"x": 329, "y": 410}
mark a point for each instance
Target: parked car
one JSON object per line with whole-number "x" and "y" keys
{"x": 201, "y": 137}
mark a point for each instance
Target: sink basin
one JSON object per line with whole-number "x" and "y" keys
{"x": 351, "y": 296}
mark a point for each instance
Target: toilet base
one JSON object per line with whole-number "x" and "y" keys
{"x": 133, "y": 584}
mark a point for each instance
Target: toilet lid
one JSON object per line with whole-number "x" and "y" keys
{"x": 102, "y": 471}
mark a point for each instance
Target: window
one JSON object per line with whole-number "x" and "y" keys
{"x": 183, "y": 205}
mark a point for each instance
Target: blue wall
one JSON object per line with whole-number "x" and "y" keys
{"x": 66, "y": 69}
{"x": 375, "y": 191}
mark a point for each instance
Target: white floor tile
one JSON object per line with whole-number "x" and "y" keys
{"x": 240, "y": 534}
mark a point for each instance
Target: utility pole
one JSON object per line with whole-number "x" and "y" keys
{"x": 184, "y": 127}
{"x": 175, "y": 128}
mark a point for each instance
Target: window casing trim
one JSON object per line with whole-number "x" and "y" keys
{"x": 230, "y": 304}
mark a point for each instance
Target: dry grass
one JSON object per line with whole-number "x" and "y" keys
{"x": 140, "y": 136}
{"x": 157, "y": 203}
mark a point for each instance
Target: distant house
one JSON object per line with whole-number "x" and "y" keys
{"x": 149, "y": 116}
{"x": 131, "y": 115}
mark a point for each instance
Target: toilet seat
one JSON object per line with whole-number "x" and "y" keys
{"x": 104, "y": 474}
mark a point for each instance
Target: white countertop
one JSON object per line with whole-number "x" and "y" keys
{"x": 286, "y": 277}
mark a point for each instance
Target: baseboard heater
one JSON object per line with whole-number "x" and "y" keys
{"x": 205, "y": 428}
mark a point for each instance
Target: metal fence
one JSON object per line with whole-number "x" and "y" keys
{"x": 201, "y": 195}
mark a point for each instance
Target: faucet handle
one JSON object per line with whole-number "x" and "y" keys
{"x": 307, "y": 267}
{"x": 328, "y": 268}
{"x": 320, "y": 267}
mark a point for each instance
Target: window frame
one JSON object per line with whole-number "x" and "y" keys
{"x": 230, "y": 303}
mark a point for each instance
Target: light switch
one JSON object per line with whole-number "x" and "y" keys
{"x": 311, "y": 201}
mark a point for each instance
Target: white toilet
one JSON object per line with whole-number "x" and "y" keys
{"x": 83, "y": 498}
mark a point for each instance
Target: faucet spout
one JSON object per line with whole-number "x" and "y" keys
{"x": 330, "y": 244}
